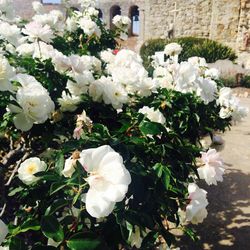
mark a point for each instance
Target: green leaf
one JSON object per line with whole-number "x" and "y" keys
{"x": 56, "y": 206}
{"x": 17, "y": 244}
{"x": 51, "y": 228}
{"x": 42, "y": 247}
{"x": 56, "y": 186}
{"x": 150, "y": 128}
{"x": 59, "y": 163}
{"x": 81, "y": 241}
{"x": 158, "y": 167}
{"x": 15, "y": 191}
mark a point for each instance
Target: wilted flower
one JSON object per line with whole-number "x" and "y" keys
{"x": 68, "y": 102}
{"x": 196, "y": 210}
{"x": 69, "y": 167}
{"x": 108, "y": 179}
{"x": 213, "y": 168}
{"x": 153, "y": 115}
{"x": 30, "y": 167}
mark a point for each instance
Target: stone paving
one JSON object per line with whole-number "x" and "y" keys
{"x": 227, "y": 226}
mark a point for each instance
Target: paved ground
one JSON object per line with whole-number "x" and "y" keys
{"x": 228, "y": 224}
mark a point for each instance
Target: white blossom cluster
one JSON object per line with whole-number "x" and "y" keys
{"x": 194, "y": 76}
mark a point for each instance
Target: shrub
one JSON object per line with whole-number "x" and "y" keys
{"x": 192, "y": 46}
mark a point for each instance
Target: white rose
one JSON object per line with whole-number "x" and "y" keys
{"x": 212, "y": 73}
{"x": 185, "y": 78}
{"x": 207, "y": 89}
{"x": 108, "y": 179}
{"x": 107, "y": 56}
{"x": 6, "y": 73}
{"x": 196, "y": 210}
{"x": 172, "y": 49}
{"x": 213, "y": 169}
{"x": 38, "y": 7}
{"x": 10, "y": 32}
{"x": 153, "y": 115}
{"x": 121, "y": 22}
{"x": 30, "y": 167}
{"x": 26, "y": 49}
{"x": 69, "y": 167}
{"x": 36, "y": 31}
{"x": 114, "y": 93}
{"x": 3, "y": 231}
{"x": 68, "y": 102}
{"x": 71, "y": 24}
{"x": 89, "y": 27}
{"x": 61, "y": 62}
{"x": 35, "y": 103}
{"x": 198, "y": 61}
{"x": 81, "y": 84}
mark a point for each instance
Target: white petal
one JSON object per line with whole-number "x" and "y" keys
{"x": 21, "y": 122}
{"x": 97, "y": 206}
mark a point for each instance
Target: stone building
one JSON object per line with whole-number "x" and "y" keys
{"x": 227, "y": 21}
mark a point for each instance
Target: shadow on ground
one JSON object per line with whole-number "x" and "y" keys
{"x": 228, "y": 223}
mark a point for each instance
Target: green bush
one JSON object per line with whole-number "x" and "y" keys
{"x": 192, "y": 46}
{"x": 245, "y": 81}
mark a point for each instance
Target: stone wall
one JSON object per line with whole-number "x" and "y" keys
{"x": 227, "y": 21}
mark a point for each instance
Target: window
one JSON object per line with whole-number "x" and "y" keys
{"x": 51, "y": 1}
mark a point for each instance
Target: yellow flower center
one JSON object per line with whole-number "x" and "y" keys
{"x": 31, "y": 168}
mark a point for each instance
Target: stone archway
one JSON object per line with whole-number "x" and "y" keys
{"x": 114, "y": 10}
{"x": 134, "y": 15}
{"x": 100, "y": 14}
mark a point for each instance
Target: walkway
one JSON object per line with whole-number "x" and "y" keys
{"x": 227, "y": 226}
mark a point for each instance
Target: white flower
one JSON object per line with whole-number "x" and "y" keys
{"x": 71, "y": 24}
{"x": 164, "y": 77}
{"x": 198, "y": 62}
{"x": 6, "y": 73}
{"x": 61, "y": 62}
{"x": 26, "y": 49}
{"x": 81, "y": 84}
{"x": 107, "y": 56}
{"x": 10, "y": 32}
{"x": 37, "y": 31}
{"x": 212, "y": 73}
{"x": 108, "y": 179}
{"x": 153, "y": 115}
{"x": 3, "y": 231}
{"x": 207, "y": 89}
{"x": 172, "y": 49}
{"x": 43, "y": 50}
{"x": 225, "y": 95}
{"x": 114, "y": 93}
{"x": 213, "y": 169}
{"x": 68, "y": 102}
{"x": 38, "y": 7}
{"x": 7, "y": 9}
{"x": 185, "y": 79}
{"x": 121, "y": 22}
{"x": 35, "y": 103}
{"x": 196, "y": 210}
{"x": 30, "y": 167}
{"x": 69, "y": 167}
{"x": 89, "y": 27}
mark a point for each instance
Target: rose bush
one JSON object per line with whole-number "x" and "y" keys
{"x": 97, "y": 154}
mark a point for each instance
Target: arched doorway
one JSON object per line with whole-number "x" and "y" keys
{"x": 134, "y": 15}
{"x": 100, "y": 14}
{"x": 114, "y": 10}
